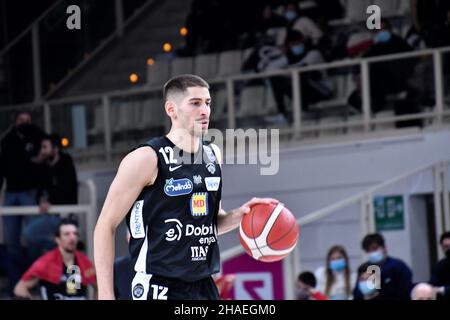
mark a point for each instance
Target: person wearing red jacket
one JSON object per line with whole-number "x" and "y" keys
{"x": 306, "y": 287}
{"x": 62, "y": 273}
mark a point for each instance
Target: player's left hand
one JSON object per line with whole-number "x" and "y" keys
{"x": 245, "y": 208}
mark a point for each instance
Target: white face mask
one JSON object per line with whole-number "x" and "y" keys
{"x": 376, "y": 256}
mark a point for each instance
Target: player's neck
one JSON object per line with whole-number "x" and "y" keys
{"x": 68, "y": 257}
{"x": 185, "y": 142}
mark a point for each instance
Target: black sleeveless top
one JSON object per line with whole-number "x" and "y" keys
{"x": 173, "y": 223}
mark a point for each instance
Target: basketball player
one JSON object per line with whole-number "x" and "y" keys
{"x": 170, "y": 189}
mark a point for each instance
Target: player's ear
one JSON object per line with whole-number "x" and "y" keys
{"x": 171, "y": 109}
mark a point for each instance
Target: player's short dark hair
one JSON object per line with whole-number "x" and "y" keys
{"x": 308, "y": 278}
{"x": 370, "y": 239}
{"x": 181, "y": 83}
{"x": 444, "y": 236}
{"x": 64, "y": 222}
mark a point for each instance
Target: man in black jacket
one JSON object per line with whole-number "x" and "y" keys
{"x": 58, "y": 186}
{"x": 19, "y": 149}
{"x": 441, "y": 275}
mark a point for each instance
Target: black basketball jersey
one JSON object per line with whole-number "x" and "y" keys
{"x": 173, "y": 223}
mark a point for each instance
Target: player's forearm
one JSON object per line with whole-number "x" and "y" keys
{"x": 228, "y": 221}
{"x": 104, "y": 260}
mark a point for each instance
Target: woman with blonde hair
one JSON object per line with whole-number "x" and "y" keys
{"x": 335, "y": 279}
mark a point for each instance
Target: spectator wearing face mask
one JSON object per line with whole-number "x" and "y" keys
{"x": 396, "y": 276}
{"x": 301, "y": 23}
{"x": 388, "y": 77}
{"x": 305, "y": 289}
{"x": 335, "y": 279}
{"x": 441, "y": 274}
{"x": 365, "y": 285}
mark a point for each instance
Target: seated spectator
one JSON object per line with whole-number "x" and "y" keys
{"x": 396, "y": 276}
{"x": 63, "y": 273}
{"x": 123, "y": 276}
{"x": 335, "y": 279}
{"x": 441, "y": 275}
{"x": 301, "y": 23}
{"x": 59, "y": 186}
{"x": 365, "y": 285}
{"x": 388, "y": 77}
{"x": 423, "y": 291}
{"x": 270, "y": 19}
{"x": 297, "y": 52}
{"x": 431, "y": 20}
{"x": 306, "y": 284}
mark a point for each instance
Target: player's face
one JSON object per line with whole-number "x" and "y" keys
{"x": 68, "y": 237}
{"x": 23, "y": 118}
{"x": 46, "y": 149}
{"x": 194, "y": 111}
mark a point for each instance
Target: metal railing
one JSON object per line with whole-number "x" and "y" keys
{"x": 89, "y": 210}
{"x": 440, "y": 171}
{"x": 366, "y": 123}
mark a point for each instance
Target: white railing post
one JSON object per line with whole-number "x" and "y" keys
{"x": 119, "y": 17}
{"x": 437, "y": 206}
{"x": 47, "y": 118}
{"x": 36, "y": 62}
{"x": 366, "y": 102}
{"x": 106, "y": 127}
{"x": 445, "y": 193}
{"x": 439, "y": 87}
{"x": 231, "y": 105}
{"x": 288, "y": 278}
{"x": 296, "y": 102}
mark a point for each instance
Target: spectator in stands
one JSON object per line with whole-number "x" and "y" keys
{"x": 431, "y": 19}
{"x": 19, "y": 149}
{"x": 306, "y": 284}
{"x": 296, "y": 21}
{"x": 123, "y": 275}
{"x": 314, "y": 84}
{"x": 59, "y": 186}
{"x": 335, "y": 279}
{"x": 365, "y": 285}
{"x": 396, "y": 276}
{"x": 63, "y": 273}
{"x": 441, "y": 275}
{"x": 270, "y": 19}
{"x": 389, "y": 79}
{"x": 423, "y": 291}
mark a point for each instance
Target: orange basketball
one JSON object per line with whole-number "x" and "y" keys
{"x": 269, "y": 232}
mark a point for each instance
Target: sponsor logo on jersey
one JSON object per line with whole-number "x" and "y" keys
{"x": 211, "y": 167}
{"x": 199, "y": 204}
{"x": 175, "y": 232}
{"x": 212, "y": 183}
{"x": 178, "y": 187}
{"x": 138, "y": 291}
{"x": 136, "y": 220}
{"x": 209, "y": 153}
{"x": 198, "y": 253}
{"x": 197, "y": 179}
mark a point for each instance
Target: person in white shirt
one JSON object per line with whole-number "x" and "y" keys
{"x": 335, "y": 280}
